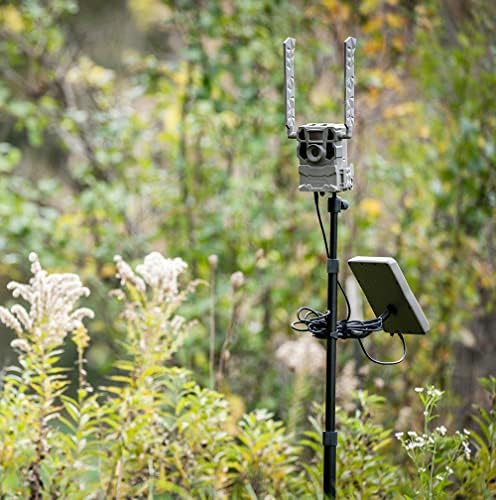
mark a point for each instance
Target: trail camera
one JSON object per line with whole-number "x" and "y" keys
{"x": 322, "y": 147}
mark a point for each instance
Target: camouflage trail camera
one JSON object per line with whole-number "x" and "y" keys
{"x": 322, "y": 147}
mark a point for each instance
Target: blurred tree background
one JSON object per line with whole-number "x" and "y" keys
{"x": 128, "y": 126}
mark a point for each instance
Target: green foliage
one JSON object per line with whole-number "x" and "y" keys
{"x": 480, "y": 478}
{"x": 174, "y": 140}
{"x": 153, "y": 431}
{"x": 434, "y": 453}
{"x": 140, "y": 125}
{"x": 364, "y": 470}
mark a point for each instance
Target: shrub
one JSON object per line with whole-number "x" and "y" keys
{"x": 153, "y": 431}
{"x": 434, "y": 452}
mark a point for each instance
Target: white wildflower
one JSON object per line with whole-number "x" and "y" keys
{"x": 23, "y": 316}
{"x": 35, "y": 263}
{"x": 418, "y": 442}
{"x": 412, "y": 434}
{"x": 399, "y": 435}
{"x": 419, "y": 389}
{"x": 118, "y": 294}
{"x": 433, "y": 392}
{"x": 162, "y": 275}
{"x": 466, "y": 450}
{"x": 442, "y": 430}
{"x": 177, "y": 323}
{"x": 466, "y": 432}
{"x": 127, "y": 275}
{"x": 52, "y": 298}
{"x": 449, "y": 470}
{"x": 8, "y": 319}
{"x": 21, "y": 344}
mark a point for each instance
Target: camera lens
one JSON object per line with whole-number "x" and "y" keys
{"x": 315, "y": 152}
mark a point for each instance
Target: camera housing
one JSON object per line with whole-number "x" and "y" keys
{"x": 323, "y": 158}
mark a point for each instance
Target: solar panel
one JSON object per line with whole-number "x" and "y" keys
{"x": 386, "y": 288}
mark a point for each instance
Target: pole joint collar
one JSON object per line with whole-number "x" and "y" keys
{"x": 332, "y": 266}
{"x": 330, "y": 438}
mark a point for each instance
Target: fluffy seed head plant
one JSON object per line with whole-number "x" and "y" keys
{"x": 158, "y": 274}
{"x": 152, "y": 293}
{"x": 52, "y": 312}
{"x": 32, "y": 393}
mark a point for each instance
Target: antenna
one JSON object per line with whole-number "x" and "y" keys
{"x": 349, "y": 85}
{"x": 289, "y": 86}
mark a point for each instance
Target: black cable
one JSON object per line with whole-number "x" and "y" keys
{"x": 324, "y": 237}
{"x": 362, "y": 329}
{"x": 315, "y": 322}
{"x": 378, "y": 361}
{"x": 311, "y": 320}
{"x": 348, "y": 306}
{"x": 317, "y": 208}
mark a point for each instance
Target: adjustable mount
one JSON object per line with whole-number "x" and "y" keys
{"x": 324, "y": 168}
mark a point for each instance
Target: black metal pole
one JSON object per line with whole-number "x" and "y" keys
{"x": 330, "y": 437}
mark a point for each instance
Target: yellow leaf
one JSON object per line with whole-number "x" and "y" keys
{"x": 398, "y": 42}
{"x": 372, "y": 97}
{"x": 237, "y": 407}
{"x": 402, "y": 109}
{"x": 69, "y": 219}
{"x": 148, "y": 12}
{"x": 181, "y": 75}
{"x": 372, "y": 47}
{"x": 97, "y": 75}
{"x": 395, "y": 228}
{"x": 330, "y": 4}
{"x": 391, "y": 81}
{"x": 338, "y": 9}
{"x": 373, "y": 25}
{"x": 369, "y": 6}
{"x": 371, "y": 207}
{"x": 107, "y": 270}
{"x": 172, "y": 117}
{"x": 424, "y": 132}
{"x": 12, "y": 18}
{"x": 230, "y": 119}
{"x": 394, "y": 20}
